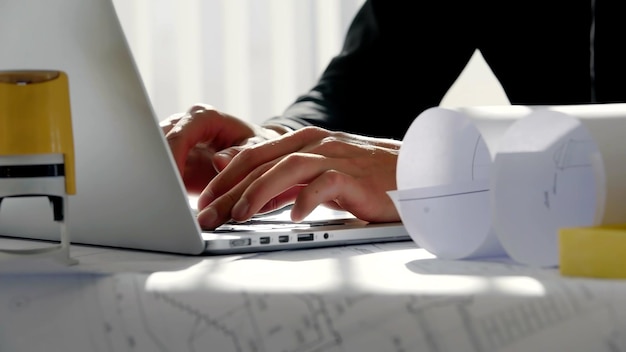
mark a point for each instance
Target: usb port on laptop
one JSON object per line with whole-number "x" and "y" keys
{"x": 240, "y": 242}
{"x": 264, "y": 240}
{"x": 302, "y": 237}
{"x": 283, "y": 238}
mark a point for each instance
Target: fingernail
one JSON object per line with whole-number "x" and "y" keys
{"x": 223, "y": 155}
{"x": 240, "y": 210}
{"x": 222, "y": 159}
{"x": 228, "y": 153}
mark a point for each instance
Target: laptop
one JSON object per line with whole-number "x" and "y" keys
{"x": 129, "y": 193}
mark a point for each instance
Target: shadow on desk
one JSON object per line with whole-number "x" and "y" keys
{"x": 496, "y": 266}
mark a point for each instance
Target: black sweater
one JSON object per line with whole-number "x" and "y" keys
{"x": 400, "y": 57}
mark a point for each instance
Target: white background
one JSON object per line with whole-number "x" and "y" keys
{"x": 251, "y": 58}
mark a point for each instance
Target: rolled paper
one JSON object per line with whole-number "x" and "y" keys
{"x": 35, "y": 117}
{"x": 443, "y": 172}
{"x": 486, "y": 181}
{"x": 560, "y": 167}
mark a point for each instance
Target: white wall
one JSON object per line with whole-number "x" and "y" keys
{"x": 251, "y": 58}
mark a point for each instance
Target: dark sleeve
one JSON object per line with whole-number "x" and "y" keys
{"x": 399, "y": 58}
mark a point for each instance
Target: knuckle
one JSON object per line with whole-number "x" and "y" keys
{"x": 341, "y": 135}
{"x": 295, "y": 161}
{"x": 199, "y": 109}
{"x": 334, "y": 177}
{"x": 173, "y": 135}
{"x": 332, "y": 145}
{"x": 247, "y": 155}
{"x": 312, "y": 132}
{"x": 230, "y": 199}
{"x": 172, "y": 119}
{"x": 331, "y": 142}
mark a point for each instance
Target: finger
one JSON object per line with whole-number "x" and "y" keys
{"x": 219, "y": 210}
{"x": 349, "y": 193}
{"x": 249, "y": 158}
{"x": 224, "y": 157}
{"x": 323, "y": 189}
{"x": 203, "y": 124}
{"x": 298, "y": 169}
{"x": 266, "y": 151}
{"x": 199, "y": 169}
{"x": 281, "y": 200}
{"x": 191, "y": 129}
{"x": 219, "y": 161}
{"x": 295, "y": 169}
{"x": 169, "y": 123}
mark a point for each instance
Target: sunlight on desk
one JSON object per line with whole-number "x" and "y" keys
{"x": 383, "y": 297}
{"x": 367, "y": 272}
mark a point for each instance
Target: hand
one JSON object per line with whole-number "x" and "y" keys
{"x": 308, "y": 167}
{"x": 196, "y": 136}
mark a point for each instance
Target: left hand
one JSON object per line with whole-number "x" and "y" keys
{"x": 307, "y": 167}
{"x": 197, "y": 137}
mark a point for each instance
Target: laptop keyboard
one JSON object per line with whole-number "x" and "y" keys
{"x": 260, "y": 224}
{"x": 279, "y": 219}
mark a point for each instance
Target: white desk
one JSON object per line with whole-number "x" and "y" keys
{"x": 387, "y": 297}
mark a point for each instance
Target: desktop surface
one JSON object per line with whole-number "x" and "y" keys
{"x": 375, "y": 297}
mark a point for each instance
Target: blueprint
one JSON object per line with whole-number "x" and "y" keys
{"x": 489, "y": 306}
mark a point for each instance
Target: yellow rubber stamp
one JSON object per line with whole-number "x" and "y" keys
{"x": 37, "y": 147}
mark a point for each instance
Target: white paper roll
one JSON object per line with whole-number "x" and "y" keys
{"x": 489, "y": 181}
{"x": 562, "y": 166}
{"x": 443, "y": 174}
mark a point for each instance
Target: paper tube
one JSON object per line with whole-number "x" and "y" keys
{"x": 562, "y": 166}
{"x": 443, "y": 176}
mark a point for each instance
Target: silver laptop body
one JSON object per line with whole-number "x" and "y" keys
{"x": 129, "y": 194}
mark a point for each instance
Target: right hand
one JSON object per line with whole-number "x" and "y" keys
{"x": 308, "y": 167}
{"x": 196, "y": 136}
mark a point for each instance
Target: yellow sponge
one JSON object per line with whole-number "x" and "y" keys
{"x": 598, "y": 252}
